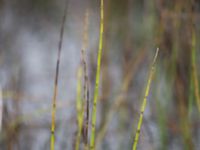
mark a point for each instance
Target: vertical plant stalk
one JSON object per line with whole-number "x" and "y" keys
{"x": 194, "y": 70}
{"x": 96, "y": 90}
{"x": 143, "y": 107}
{"x": 86, "y": 82}
{"x": 87, "y": 117}
{"x": 79, "y": 107}
{"x": 123, "y": 89}
{"x": 83, "y": 103}
{"x": 53, "y": 124}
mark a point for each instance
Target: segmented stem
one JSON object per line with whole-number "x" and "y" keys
{"x": 53, "y": 124}
{"x": 142, "y": 109}
{"x": 86, "y": 81}
{"x": 79, "y": 108}
{"x": 96, "y": 90}
{"x": 83, "y": 103}
{"x": 194, "y": 69}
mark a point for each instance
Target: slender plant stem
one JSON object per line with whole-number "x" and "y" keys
{"x": 53, "y": 124}
{"x": 120, "y": 97}
{"x": 86, "y": 81}
{"x": 194, "y": 69}
{"x": 143, "y": 107}
{"x": 96, "y": 90}
{"x": 83, "y": 103}
{"x": 79, "y": 108}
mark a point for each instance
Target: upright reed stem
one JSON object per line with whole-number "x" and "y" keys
{"x": 53, "y": 124}
{"x": 86, "y": 81}
{"x": 79, "y": 107}
{"x": 194, "y": 68}
{"x": 96, "y": 90}
{"x": 83, "y": 103}
{"x": 142, "y": 109}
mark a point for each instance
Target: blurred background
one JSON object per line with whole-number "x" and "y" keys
{"x": 29, "y": 35}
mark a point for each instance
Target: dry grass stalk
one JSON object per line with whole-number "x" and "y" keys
{"x": 53, "y": 124}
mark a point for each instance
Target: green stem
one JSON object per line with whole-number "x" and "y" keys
{"x": 96, "y": 90}
{"x": 143, "y": 107}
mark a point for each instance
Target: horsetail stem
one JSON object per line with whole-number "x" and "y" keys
{"x": 79, "y": 107}
{"x": 96, "y": 90}
{"x": 194, "y": 69}
{"x": 83, "y": 103}
{"x": 86, "y": 82}
{"x": 142, "y": 109}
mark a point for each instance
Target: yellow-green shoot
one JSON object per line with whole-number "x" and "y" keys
{"x": 96, "y": 90}
{"x": 144, "y": 103}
